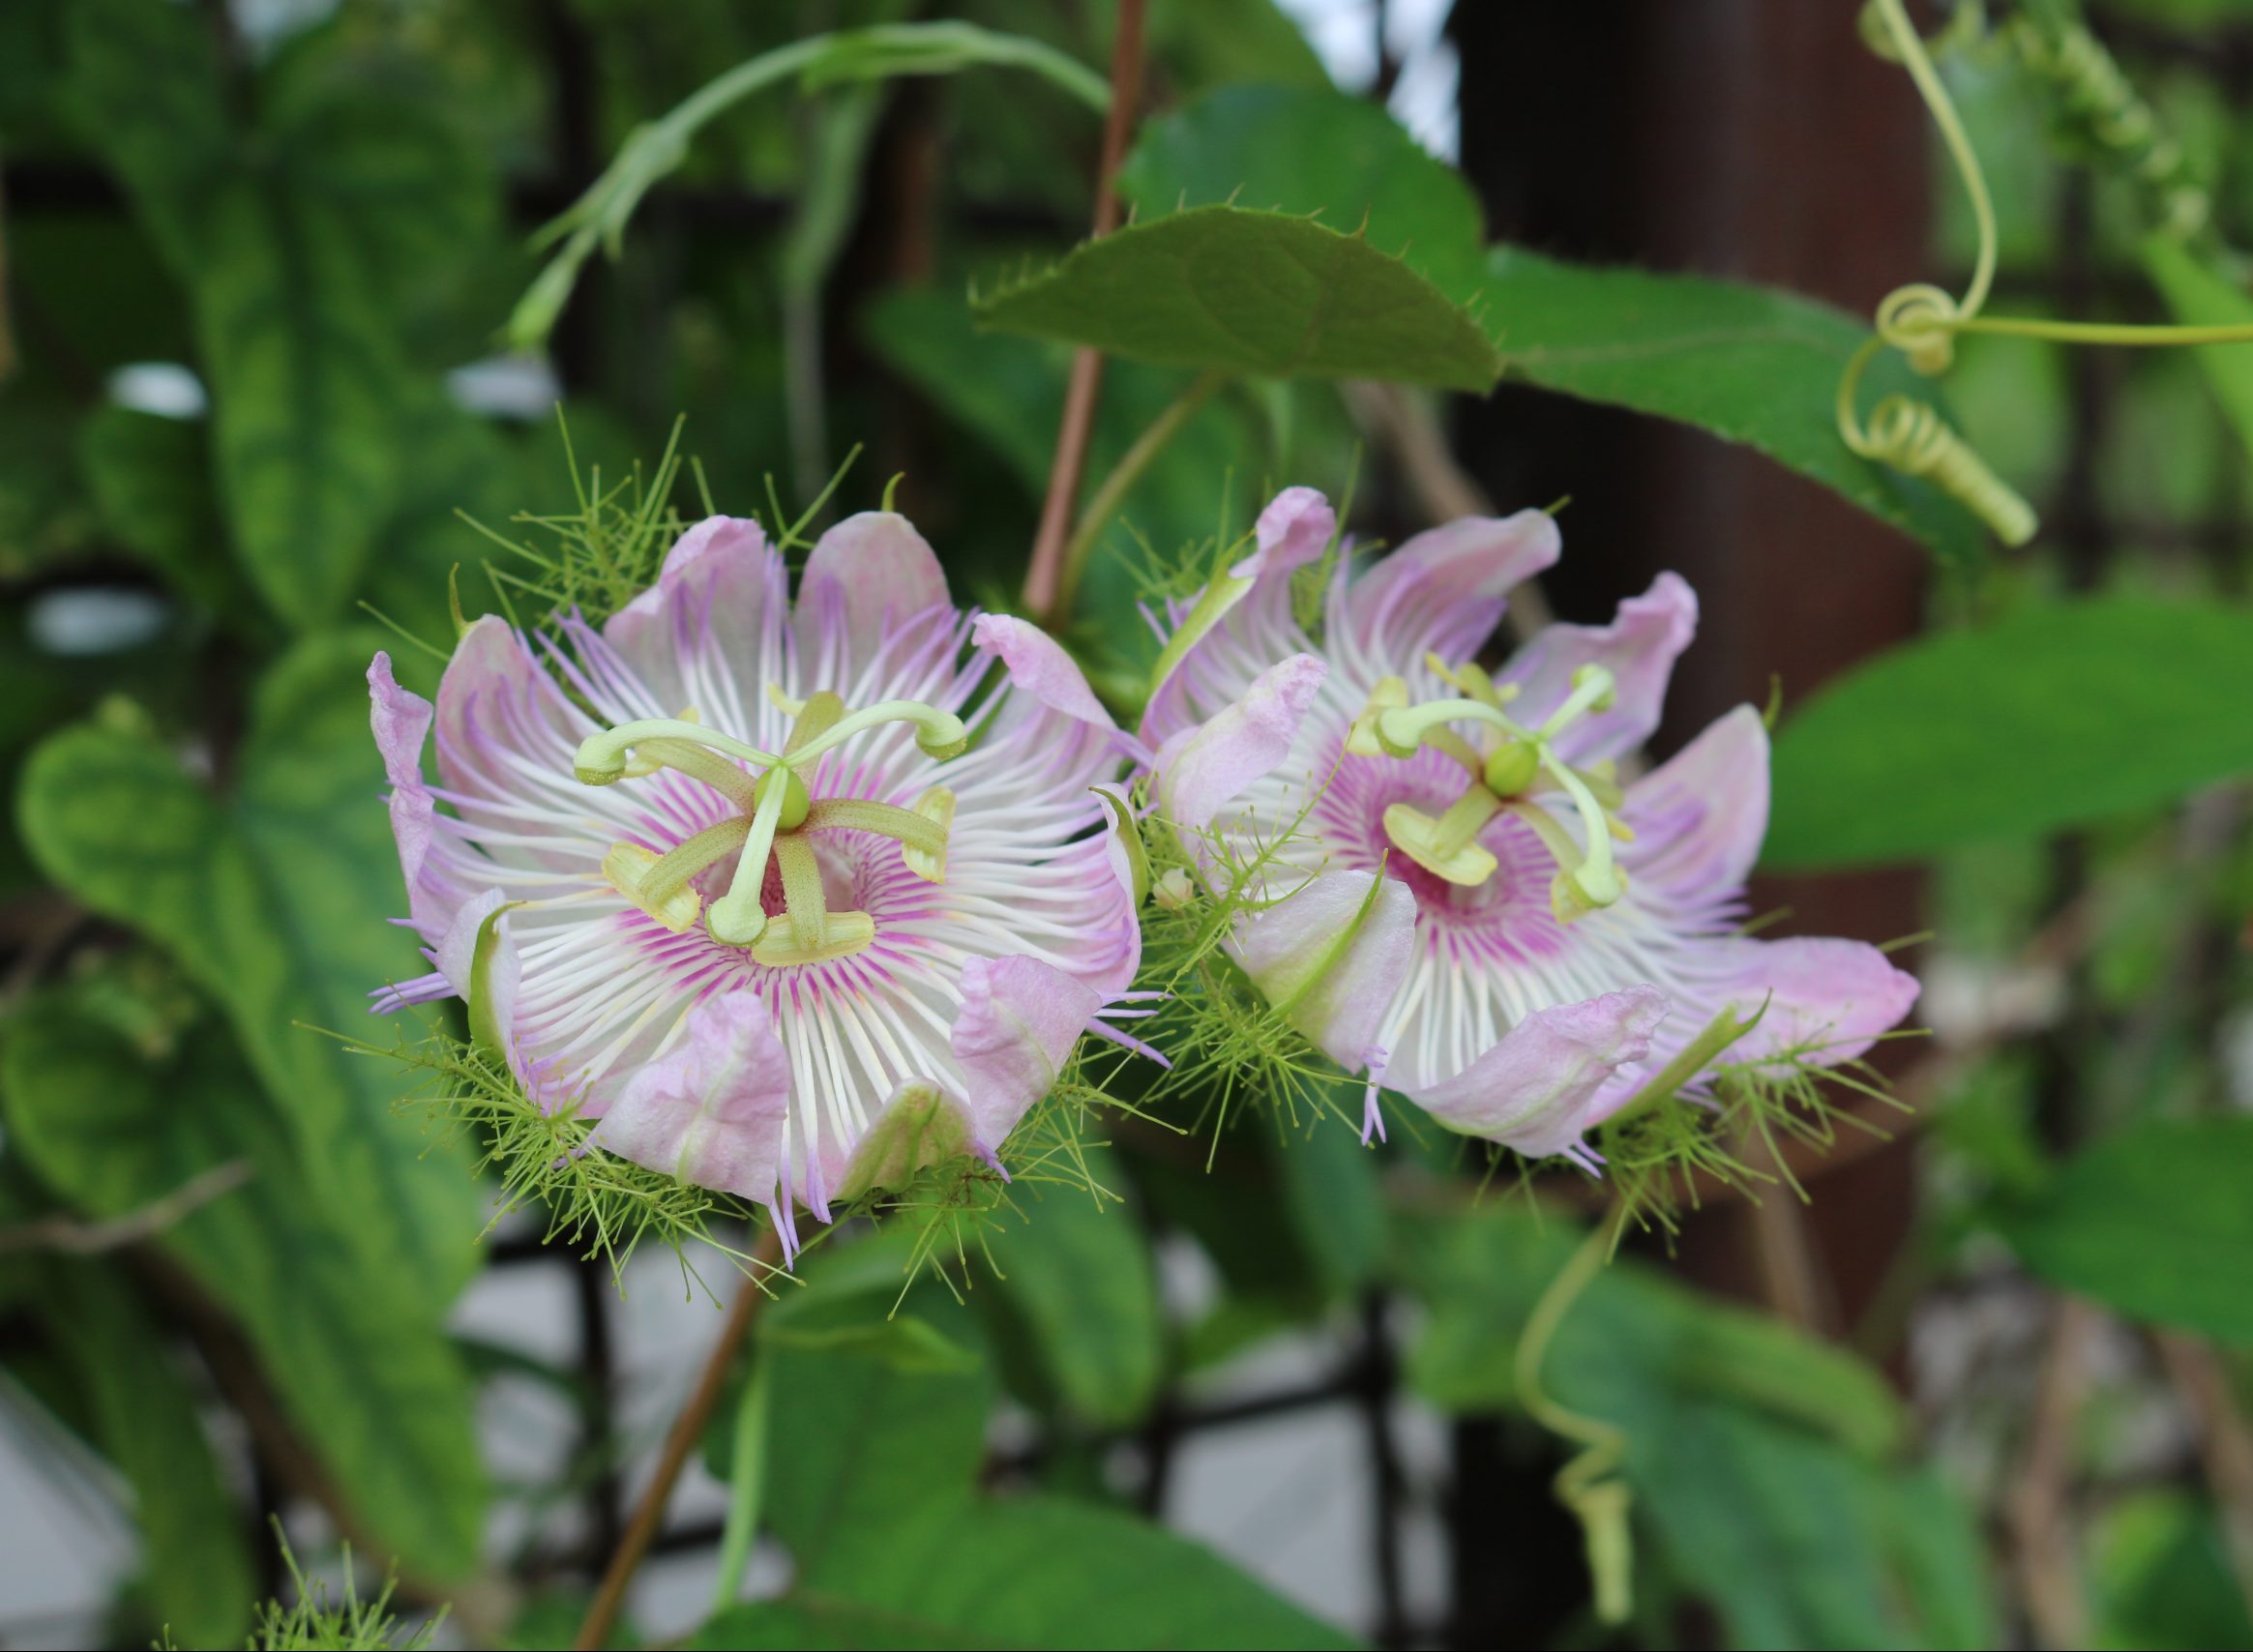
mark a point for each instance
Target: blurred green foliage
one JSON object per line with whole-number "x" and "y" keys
{"x": 313, "y": 230}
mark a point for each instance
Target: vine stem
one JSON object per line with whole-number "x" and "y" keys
{"x": 1587, "y": 1485}
{"x": 1044, "y": 582}
{"x": 1123, "y": 476}
{"x": 593, "y": 1631}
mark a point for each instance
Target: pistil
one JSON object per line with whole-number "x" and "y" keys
{"x": 1516, "y": 763}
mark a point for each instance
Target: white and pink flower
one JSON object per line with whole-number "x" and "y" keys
{"x": 1461, "y": 898}
{"x": 760, "y": 888}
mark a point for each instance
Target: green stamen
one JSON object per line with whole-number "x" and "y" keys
{"x": 939, "y": 734}
{"x": 1516, "y": 763}
{"x": 602, "y": 757}
{"x": 803, "y": 898}
{"x": 775, "y": 809}
{"x": 1401, "y": 732}
{"x": 1594, "y": 689}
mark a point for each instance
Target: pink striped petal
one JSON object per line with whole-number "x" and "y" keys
{"x": 1538, "y": 1089}
{"x": 1294, "y": 529}
{"x": 865, "y": 578}
{"x": 1335, "y": 958}
{"x": 1205, "y": 767}
{"x": 1019, "y": 1021}
{"x": 711, "y": 1113}
{"x": 721, "y": 587}
{"x": 402, "y": 723}
{"x": 1638, "y": 647}
{"x": 1700, "y": 817}
{"x": 1446, "y": 589}
{"x": 1827, "y": 999}
{"x": 1037, "y": 663}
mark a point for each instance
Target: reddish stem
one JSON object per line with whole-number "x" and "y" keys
{"x": 1043, "y": 581}
{"x": 593, "y": 1631}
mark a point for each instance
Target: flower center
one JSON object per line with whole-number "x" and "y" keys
{"x": 771, "y": 824}
{"x": 1507, "y": 767}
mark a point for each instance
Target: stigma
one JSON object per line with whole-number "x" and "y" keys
{"x": 1508, "y": 768}
{"x": 772, "y": 820}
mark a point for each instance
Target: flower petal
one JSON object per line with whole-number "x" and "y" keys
{"x": 1828, "y": 999}
{"x": 1333, "y": 953}
{"x": 1019, "y": 1020}
{"x": 1638, "y": 647}
{"x": 713, "y": 1111}
{"x": 456, "y": 948}
{"x": 1700, "y": 817}
{"x": 1536, "y": 1089}
{"x": 1445, "y": 589}
{"x": 716, "y": 605}
{"x": 865, "y": 578}
{"x": 493, "y": 704}
{"x": 1038, "y": 665}
{"x": 1205, "y": 767}
{"x": 1293, "y": 530}
{"x": 401, "y": 722}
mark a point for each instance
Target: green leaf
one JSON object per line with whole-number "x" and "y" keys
{"x": 2058, "y": 716}
{"x": 1745, "y": 362}
{"x": 1076, "y": 1276}
{"x": 2154, "y": 1222}
{"x": 276, "y": 900}
{"x": 1763, "y": 1460}
{"x": 355, "y": 1346}
{"x": 295, "y": 241}
{"x": 2200, "y": 296}
{"x": 145, "y": 1419}
{"x": 1314, "y": 151}
{"x": 151, "y": 479}
{"x": 869, "y": 1485}
{"x": 2160, "y": 1574}
{"x": 1249, "y": 292}
{"x": 1334, "y": 1203}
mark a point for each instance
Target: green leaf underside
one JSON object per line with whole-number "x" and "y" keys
{"x": 1748, "y": 364}
{"x": 1762, "y": 1459}
{"x": 361, "y": 1363}
{"x": 1249, "y": 292}
{"x": 2154, "y": 1222}
{"x": 869, "y": 1484}
{"x": 1314, "y": 151}
{"x": 2063, "y": 715}
{"x": 276, "y": 900}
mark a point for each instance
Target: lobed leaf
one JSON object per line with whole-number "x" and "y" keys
{"x": 355, "y": 1347}
{"x": 276, "y": 900}
{"x": 1226, "y": 288}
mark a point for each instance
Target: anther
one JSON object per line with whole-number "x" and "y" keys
{"x": 937, "y": 805}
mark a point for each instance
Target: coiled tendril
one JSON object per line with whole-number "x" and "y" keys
{"x": 1921, "y": 320}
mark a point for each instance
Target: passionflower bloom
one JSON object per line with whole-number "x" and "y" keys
{"x": 790, "y": 900}
{"x": 1445, "y": 884}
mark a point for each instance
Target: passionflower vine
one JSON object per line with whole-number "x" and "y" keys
{"x": 1451, "y": 888}
{"x": 789, "y": 901}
